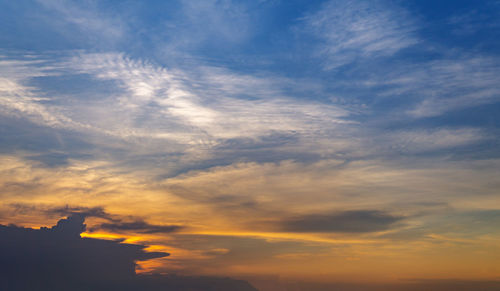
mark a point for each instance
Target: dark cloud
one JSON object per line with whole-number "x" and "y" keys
{"x": 58, "y": 211}
{"x": 79, "y": 210}
{"x": 51, "y": 159}
{"x": 52, "y": 147}
{"x": 115, "y": 223}
{"x": 470, "y": 224}
{"x": 357, "y": 221}
{"x": 22, "y": 208}
{"x": 232, "y": 203}
{"x": 57, "y": 258}
{"x": 56, "y": 159}
{"x": 138, "y": 226}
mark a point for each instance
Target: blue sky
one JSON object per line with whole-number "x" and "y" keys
{"x": 282, "y": 111}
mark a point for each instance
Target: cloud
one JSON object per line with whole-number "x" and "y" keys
{"x": 451, "y": 82}
{"x": 204, "y": 105}
{"x": 52, "y": 159}
{"x": 482, "y": 18}
{"x": 71, "y": 226}
{"x": 188, "y": 110}
{"x": 353, "y": 30}
{"x": 246, "y": 193}
{"x": 355, "y": 221}
{"x": 17, "y": 99}
{"x": 115, "y": 223}
{"x": 88, "y": 18}
{"x": 79, "y": 211}
{"x": 57, "y": 258}
{"x": 447, "y": 85}
{"x": 202, "y": 116}
{"x": 138, "y": 226}
{"x": 188, "y": 113}
{"x": 418, "y": 141}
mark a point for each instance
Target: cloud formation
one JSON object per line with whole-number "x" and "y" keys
{"x": 352, "y": 30}
{"x": 354, "y": 221}
{"x": 57, "y": 258}
{"x": 256, "y": 136}
{"x": 138, "y": 226}
{"x": 114, "y": 223}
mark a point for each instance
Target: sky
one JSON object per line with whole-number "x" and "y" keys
{"x": 323, "y": 141}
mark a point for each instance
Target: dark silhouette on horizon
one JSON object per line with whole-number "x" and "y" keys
{"x": 57, "y": 258}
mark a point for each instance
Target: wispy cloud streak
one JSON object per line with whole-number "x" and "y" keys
{"x": 353, "y": 30}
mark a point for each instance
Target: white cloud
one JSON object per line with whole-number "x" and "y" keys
{"x": 444, "y": 85}
{"x": 195, "y": 113}
{"x": 205, "y": 103}
{"x": 87, "y": 18}
{"x": 456, "y": 84}
{"x": 429, "y": 140}
{"x": 359, "y": 29}
{"x": 18, "y": 99}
